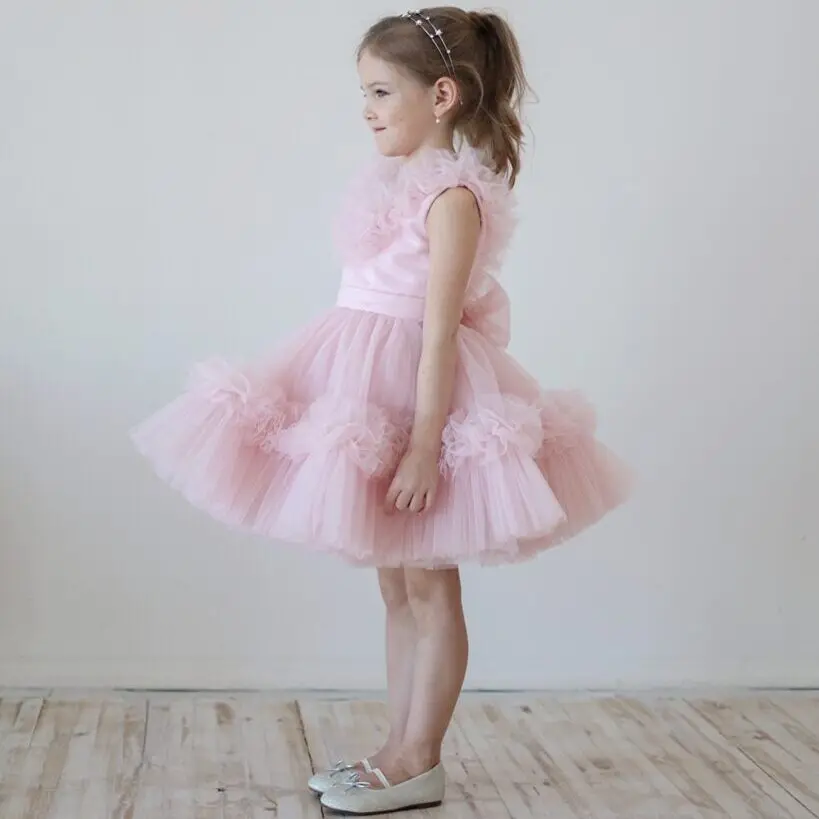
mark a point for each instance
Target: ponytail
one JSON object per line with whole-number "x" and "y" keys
{"x": 494, "y": 124}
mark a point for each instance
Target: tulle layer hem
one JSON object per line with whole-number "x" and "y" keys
{"x": 281, "y": 451}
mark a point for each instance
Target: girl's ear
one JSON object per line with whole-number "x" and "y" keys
{"x": 446, "y": 96}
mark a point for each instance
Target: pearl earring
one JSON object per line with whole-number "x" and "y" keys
{"x": 437, "y": 120}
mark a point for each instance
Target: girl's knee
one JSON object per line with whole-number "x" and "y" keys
{"x": 433, "y": 589}
{"x": 393, "y": 585}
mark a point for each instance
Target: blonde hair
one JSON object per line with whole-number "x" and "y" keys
{"x": 488, "y": 70}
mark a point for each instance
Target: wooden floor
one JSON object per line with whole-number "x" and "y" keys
{"x": 188, "y": 756}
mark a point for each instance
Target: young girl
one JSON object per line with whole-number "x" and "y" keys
{"x": 395, "y": 431}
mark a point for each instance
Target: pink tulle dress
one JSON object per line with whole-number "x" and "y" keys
{"x": 300, "y": 447}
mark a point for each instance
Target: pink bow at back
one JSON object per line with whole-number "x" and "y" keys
{"x": 490, "y": 315}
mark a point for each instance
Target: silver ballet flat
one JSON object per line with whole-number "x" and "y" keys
{"x": 354, "y": 797}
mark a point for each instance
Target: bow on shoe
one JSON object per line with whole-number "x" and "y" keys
{"x": 354, "y": 781}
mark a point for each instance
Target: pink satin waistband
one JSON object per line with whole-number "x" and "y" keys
{"x": 396, "y": 305}
{"x": 488, "y": 314}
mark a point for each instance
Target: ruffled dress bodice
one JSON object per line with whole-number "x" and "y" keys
{"x": 382, "y": 240}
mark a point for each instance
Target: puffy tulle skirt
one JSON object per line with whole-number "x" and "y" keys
{"x": 301, "y": 448}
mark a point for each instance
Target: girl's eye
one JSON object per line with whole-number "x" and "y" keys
{"x": 377, "y": 92}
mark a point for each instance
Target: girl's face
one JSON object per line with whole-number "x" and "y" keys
{"x": 398, "y": 109}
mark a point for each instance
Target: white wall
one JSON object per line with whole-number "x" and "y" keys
{"x": 167, "y": 174}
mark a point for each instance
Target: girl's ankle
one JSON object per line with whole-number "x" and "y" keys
{"x": 416, "y": 761}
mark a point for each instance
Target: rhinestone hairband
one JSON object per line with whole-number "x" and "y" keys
{"x": 424, "y": 22}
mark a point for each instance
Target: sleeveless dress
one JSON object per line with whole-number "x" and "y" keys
{"x": 300, "y": 446}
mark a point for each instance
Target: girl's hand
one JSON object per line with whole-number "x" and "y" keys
{"x": 415, "y": 482}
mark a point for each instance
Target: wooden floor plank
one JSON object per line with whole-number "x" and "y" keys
{"x": 44, "y": 763}
{"x": 180, "y": 769}
{"x": 209, "y": 796}
{"x": 126, "y": 767}
{"x": 648, "y": 733}
{"x": 516, "y": 764}
{"x": 618, "y": 773}
{"x": 288, "y": 762}
{"x": 731, "y": 780}
{"x": 660, "y": 794}
{"x": 77, "y": 766}
{"x": 21, "y": 718}
{"x": 9, "y": 709}
{"x": 783, "y": 746}
{"x": 802, "y": 706}
{"x": 154, "y": 788}
{"x": 261, "y": 777}
{"x": 471, "y": 791}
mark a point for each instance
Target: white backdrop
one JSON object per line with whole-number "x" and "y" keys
{"x": 168, "y": 172}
